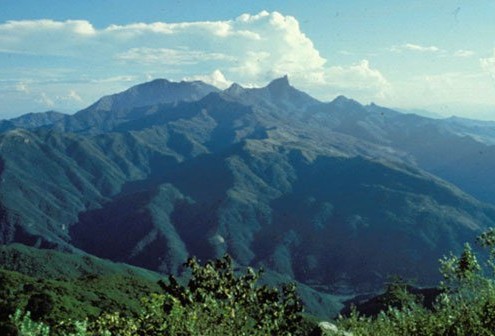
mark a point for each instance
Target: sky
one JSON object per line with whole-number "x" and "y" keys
{"x": 436, "y": 55}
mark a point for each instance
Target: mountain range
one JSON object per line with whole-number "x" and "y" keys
{"x": 335, "y": 195}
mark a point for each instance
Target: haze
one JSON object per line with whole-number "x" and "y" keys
{"x": 437, "y": 56}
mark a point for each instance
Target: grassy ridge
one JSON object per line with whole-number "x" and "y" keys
{"x": 75, "y": 287}
{"x": 99, "y": 283}
{"x": 58, "y": 265}
{"x": 123, "y": 300}
{"x": 79, "y": 298}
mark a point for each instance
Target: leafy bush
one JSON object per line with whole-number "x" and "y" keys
{"x": 237, "y": 298}
{"x": 27, "y": 327}
{"x": 214, "y": 302}
{"x": 465, "y": 307}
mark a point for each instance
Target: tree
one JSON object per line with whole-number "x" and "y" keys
{"x": 235, "y": 300}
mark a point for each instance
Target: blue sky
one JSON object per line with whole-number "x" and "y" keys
{"x": 437, "y": 55}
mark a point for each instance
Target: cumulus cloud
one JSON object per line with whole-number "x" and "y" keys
{"x": 359, "y": 77}
{"x": 45, "y": 37}
{"x": 216, "y": 78}
{"x": 255, "y": 48}
{"x": 274, "y": 35}
{"x": 250, "y": 50}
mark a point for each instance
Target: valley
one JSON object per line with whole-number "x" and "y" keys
{"x": 315, "y": 192}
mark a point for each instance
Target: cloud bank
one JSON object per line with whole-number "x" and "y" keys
{"x": 47, "y": 64}
{"x": 250, "y": 50}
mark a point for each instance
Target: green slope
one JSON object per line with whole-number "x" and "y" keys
{"x": 319, "y": 195}
{"x": 83, "y": 285}
{"x": 72, "y": 286}
{"x": 44, "y": 263}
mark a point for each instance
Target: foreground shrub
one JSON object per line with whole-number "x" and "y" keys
{"x": 215, "y": 301}
{"x": 25, "y": 326}
{"x": 466, "y": 305}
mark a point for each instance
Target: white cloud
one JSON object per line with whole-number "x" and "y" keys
{"x": 22, "y": 87}
{"x": 445, "y": 89}
{"x": 464, "y": 53}
{"x": 410, "y": 47}
{"x": 250, "y": 50}
{"x": 488, "y": 64}
{"x": 46, "y": 37}
{"x": 45, "y": 101}
{"x": 118, "y": 79}
{"x": 88, "y": 62}
{"x": 359, "y": 80}
{"x": 216, "y": 78}
{"x": 73, "y": 95}
{"x": 281, "y": 48}
{"x": 170, "y": 56}
{"x": 359, "y": 77}
{"x": 256, "y": 47}
{"x": 26, "y": 27}
{"x": 415, "y": 47}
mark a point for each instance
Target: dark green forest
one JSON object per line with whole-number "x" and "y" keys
{"x": 102, "y": 298}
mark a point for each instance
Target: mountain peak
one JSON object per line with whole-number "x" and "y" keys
{"x": 343, "y": 101}
{"x": 234, "y": 89}
{"x": 281, "y": 82}
{"x": 158, "y": 91}
{"x": 157, "y": 81}
{"x": 282, "y": 93}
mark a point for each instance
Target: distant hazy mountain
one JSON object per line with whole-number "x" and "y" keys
{"x": 421, "y": 112}
{"x": 423, "y": 142}
{"x": 335, "y": 195}
{"x": 279, "y": 95}
{"x": 481, "y": 131}
{"x": 133, "y": 104}
{"x": 32, "y": 120}
{"x": 158, "y": 91}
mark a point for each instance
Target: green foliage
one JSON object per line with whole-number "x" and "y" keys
{"x": 51, "y": 264}
{"x": 397, "y": 294}
{"x": 59, "y": 303}
{"x": 23, "y": 325}
{"x": 216, "y": 301}
{"x": 27, "y": 327}
{"x": 466, "y": 307}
